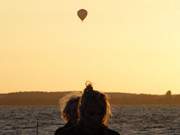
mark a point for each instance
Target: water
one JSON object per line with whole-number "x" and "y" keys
{"x": 127, "y": 120}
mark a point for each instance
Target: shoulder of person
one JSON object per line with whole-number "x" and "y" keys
{"x": 67, "y": 131}
{"x": 112, "y": 132}
{"x": 59, "y": 130}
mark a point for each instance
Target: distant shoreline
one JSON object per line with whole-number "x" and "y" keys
{"x": 52, "y": 98}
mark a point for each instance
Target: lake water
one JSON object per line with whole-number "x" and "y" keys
{"x": 127, "y": 120}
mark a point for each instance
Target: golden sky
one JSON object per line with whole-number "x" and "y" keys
{"x": 123, "y": 45}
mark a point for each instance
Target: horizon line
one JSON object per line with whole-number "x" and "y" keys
{"x": 61, "y": 91}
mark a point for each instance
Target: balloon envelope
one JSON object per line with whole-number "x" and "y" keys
{"x": 82, "y": 14}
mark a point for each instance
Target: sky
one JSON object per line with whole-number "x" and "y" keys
{"x": 122, "y": 46}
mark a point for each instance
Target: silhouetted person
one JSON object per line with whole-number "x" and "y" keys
{"x": 94, "y": 115}
{"x": 70, "y": 114}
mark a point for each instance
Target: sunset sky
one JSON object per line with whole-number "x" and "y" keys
{"x": 122, "y": 46}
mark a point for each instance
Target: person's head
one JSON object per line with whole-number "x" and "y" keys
{"x": 95, "y": 106}
{"x": 70, "y": 108}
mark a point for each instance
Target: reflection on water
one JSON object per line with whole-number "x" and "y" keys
{"x": 127, "y": 120}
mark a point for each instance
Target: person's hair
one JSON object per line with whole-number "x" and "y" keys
{"x": 70, "y": 109}
{"x": 95, "y": 106}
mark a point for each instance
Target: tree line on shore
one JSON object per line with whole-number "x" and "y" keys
{"x": 52, "y": 98}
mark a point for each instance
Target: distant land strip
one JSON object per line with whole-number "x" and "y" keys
{"x": 52, "y": 98}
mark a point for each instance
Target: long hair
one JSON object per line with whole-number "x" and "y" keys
{"x": 95, "y": 106}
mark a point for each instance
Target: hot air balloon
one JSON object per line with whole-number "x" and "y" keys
{"x": 82, "y": 14}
